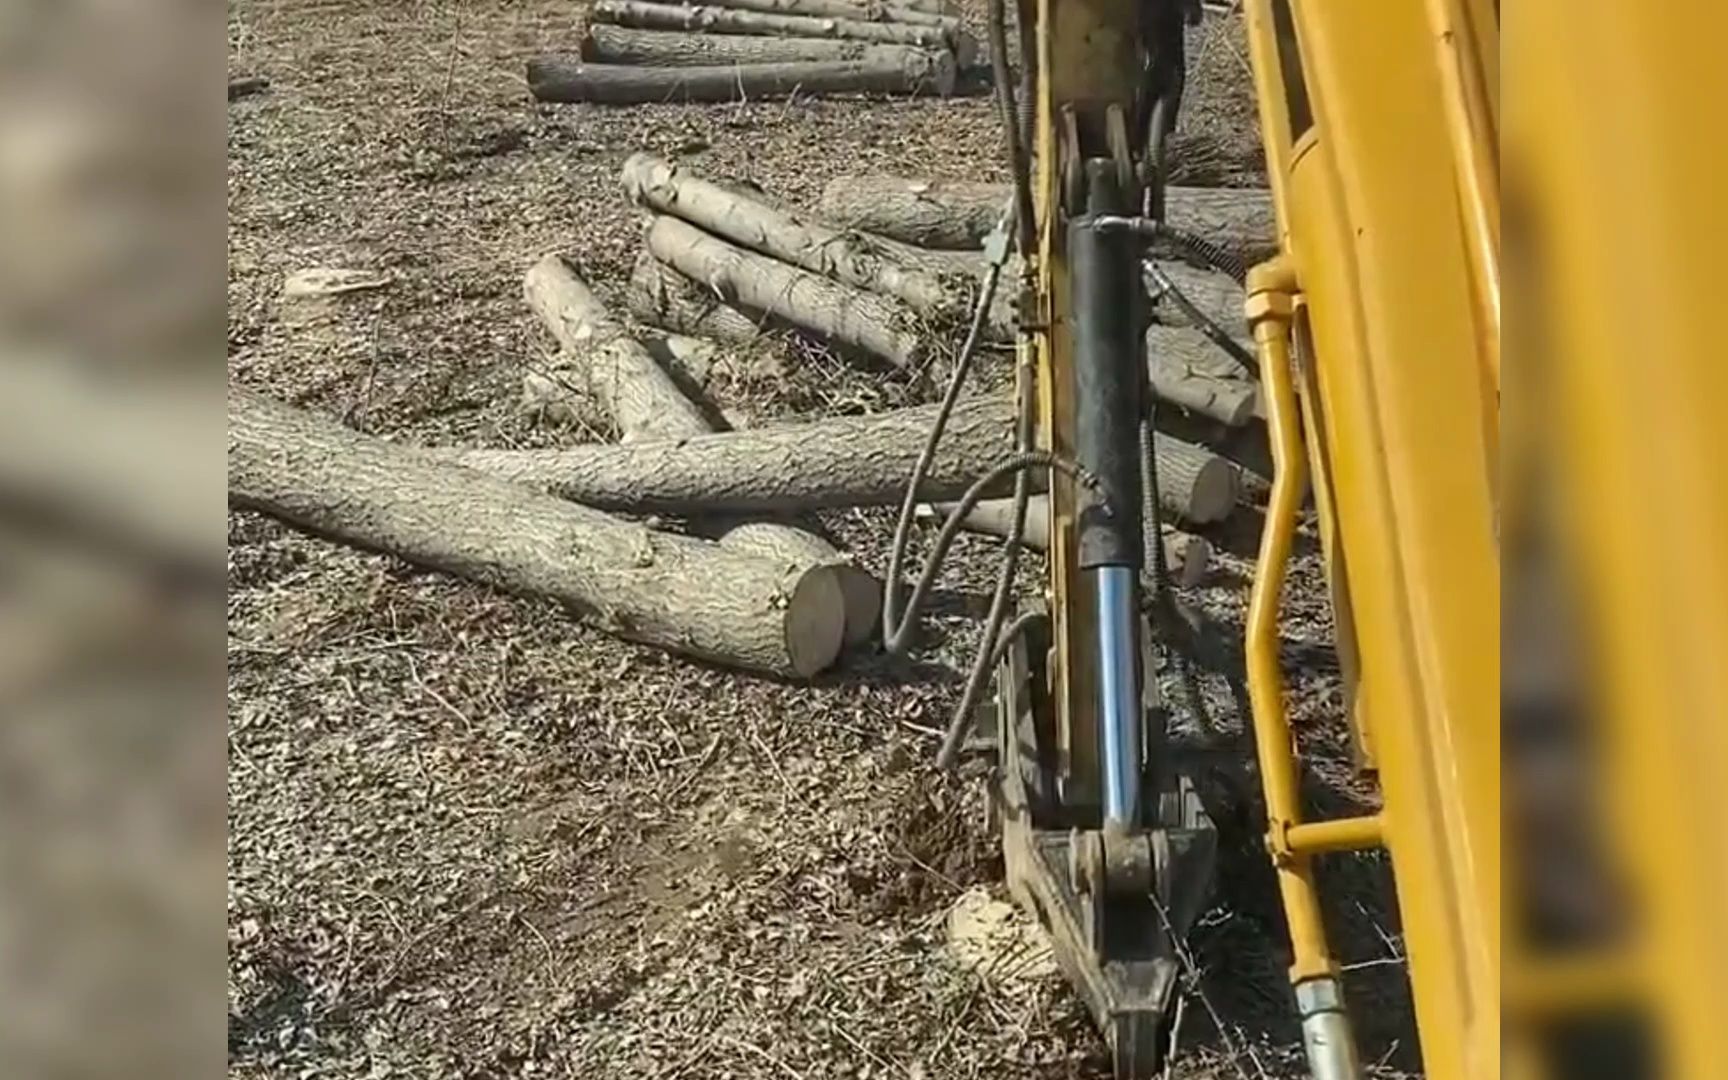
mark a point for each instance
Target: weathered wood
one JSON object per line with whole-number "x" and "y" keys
{"x": 663, "y": 48}
{"x": 959, "y": 39}
{"x": 560, "y": 79}
{"x": 661, "y": 296}
{"x": 848, "y": 318}
{"x": 719, "y": 20}
{"x": 1188, "y": 370}
{"x": 675, "y": 592}
{"x": 622, "y": 375}
{"x": 960, "y": 213}
{"x": 956, "y": 214}
{"x": 850, "y": 258}
{"x": 1187, "y": 555}
{"x": 600, "y": 362}
{"x": 826, "y": 464}
{"x": 841, "y": 462}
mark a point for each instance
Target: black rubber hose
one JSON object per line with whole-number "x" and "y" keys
{"x": 1212, "y": 330}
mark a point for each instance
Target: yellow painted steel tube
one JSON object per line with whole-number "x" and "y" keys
{"x": 1273, "y": 741}
{"x": 1342, "y": 834}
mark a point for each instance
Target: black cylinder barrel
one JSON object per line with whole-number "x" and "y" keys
{"x": 1108, "y": 372}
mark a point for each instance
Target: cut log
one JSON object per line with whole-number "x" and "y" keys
{"x": 932, "y": 213}
{"x": 1188, "y": 370}
{"x": 659, "y": 48}
{"x": 660, "y": 296}
{"x": 600, "y": 362}
{"x": 793, "y": 544}
{"x": 959, "y": 39}
{"x": 827, "y": 464}
{"x": 849, "y": 258}
{"x": 1187, "y": 555}
{"x": 719, "y": 20}
{"x": 621, "y": 373}
{"x": 961, "y": 213}
{"x": 675, "y": 592}
{"x": 558, "y": 79}
{"x": 850, "y": 319}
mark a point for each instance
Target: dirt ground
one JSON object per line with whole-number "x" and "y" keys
{"x": 470, "y": 837}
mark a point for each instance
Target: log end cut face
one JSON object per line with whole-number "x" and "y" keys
{"x": 815, "y": 620}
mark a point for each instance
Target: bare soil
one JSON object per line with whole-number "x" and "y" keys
{"x": 470, "y": 837}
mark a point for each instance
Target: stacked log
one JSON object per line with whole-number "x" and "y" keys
{"x": 644, "y": 402}
{"x": 959, "y": 214}
{"x": 639, "y": 51}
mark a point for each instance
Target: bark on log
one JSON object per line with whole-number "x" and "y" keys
{"x": 719, "y": 20}
{"x": 827, "y": 464}
{"x": 849, "y": 258}
{"x": 960, "y": 213}
{"x": 558, "y": 79}
{"x": 959, "y": 39}
{"x": 850, "y": 319}
{"x": 659, "y": 48}
{"x": 645, "y": 403}
{"x": 661, "y": 296}
{"x": 679, "y": 593}
{"x": 1187, "y": 555}
{"x": 955, "y": 214}
{"x": 601, "y": 361}
{"x": 1188, "y": 370}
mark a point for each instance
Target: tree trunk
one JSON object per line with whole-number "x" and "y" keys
{"x": 719, "y": 20}
{"x": 1188, "y": 370}
{"x": 848, "y": 258}
{"x": 850, "y": 319}
{"x": 960, "y": 213}
{"x": 956, "y": 214}
{"x": 1187, "y": 555}
{"x": 660, "y": 296}
{"x": 898, "y": 72}
{"x": 959, "y": 39}
{"x": 601, "y": 362}
{"x": 675, "y": 592}
{"x": 659, "y": 48}
{"x": 627, "y": 389}
{"x": 840, "y": 462}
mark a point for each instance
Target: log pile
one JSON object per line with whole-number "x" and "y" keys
{"x": 701, "y": 534}
{"x": 640, "y": 51}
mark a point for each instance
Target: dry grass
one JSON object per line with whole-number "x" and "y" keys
{"x": 472, "y": 838}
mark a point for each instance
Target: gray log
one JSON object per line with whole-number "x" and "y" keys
{"x": 643, "y": 402}
{"x": 848, "y": 318}
{"x": 660, "y": 296}
{"x": 849, "y": 258}
{"x": 1187, "y": 555}
{"x": 719, "y": 20}
{"x": 557, "y": 79}
{"x": 660, "y": 48}
{"x": 679, "y": 593}
{"x": 960, "y": 213}
{"x": 600, "y": 362}
{"x": 959, "y": 39}
{"x": 827, "y": 464}
{"x": 1188, "y": 370}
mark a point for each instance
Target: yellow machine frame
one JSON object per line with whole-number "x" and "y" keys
{"x": 1378, "y": 333}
